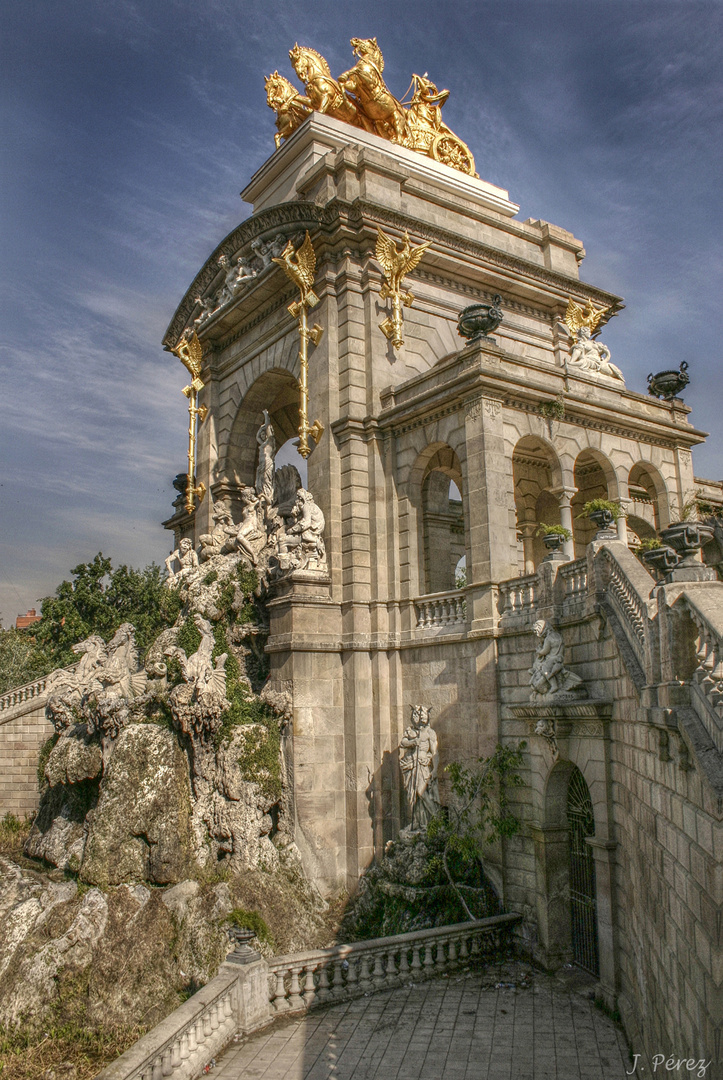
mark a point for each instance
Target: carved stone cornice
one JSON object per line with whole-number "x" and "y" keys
{"x": 305, "y": 215}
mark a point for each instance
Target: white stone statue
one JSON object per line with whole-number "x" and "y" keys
{"x": 250, "y": 528}
{"x": 419, "y": 764}
{"x": 238, "y": 275}
{"x": 209, "y": 305}
{"x": 221, "y": 538}
{"x": 267, "y": 452}
{"x": 199, "y": 701}
{"x": 186, "y": 558}
{"x": 548, "y": 675}
{"x": 593, "y": 356}
{"x": 303, "y": 540}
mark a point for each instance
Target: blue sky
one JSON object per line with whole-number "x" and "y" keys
{"x": 129, "y": 129}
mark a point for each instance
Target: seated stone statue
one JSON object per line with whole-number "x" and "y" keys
{"x": 304, "y": 538}
{"x": 186, "y": 558}
{"x": 548, "y": 675}
{"x": 250, "y": 530}
{"x": 221, "y": 538}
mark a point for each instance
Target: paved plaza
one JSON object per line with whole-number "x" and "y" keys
{"x": 509, "y": 1024}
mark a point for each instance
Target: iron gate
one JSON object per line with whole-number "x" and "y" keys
{"x": 583, "y": 904}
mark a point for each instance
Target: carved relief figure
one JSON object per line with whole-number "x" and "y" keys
{"x": 267, "y": 250}
{"x": 419, "y": 764}
{"x": 548, "y": 675}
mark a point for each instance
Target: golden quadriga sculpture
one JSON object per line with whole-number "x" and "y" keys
{"x": 360, "y": 97}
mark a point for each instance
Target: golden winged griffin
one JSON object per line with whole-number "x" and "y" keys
{"x": 361, "y": 97}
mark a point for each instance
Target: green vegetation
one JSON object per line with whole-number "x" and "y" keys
{"x": 96, "y": 601}
{"x": 601, "y": 504}
{"x": 437, "y": 878}
{"x": 13, "y": 834}
{"x": 251, "y": 920}
{"x": 554, "y": 409}
{"x": 544, "y": 529}
{"x": 45, "y": 751}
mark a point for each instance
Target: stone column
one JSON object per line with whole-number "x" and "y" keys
{"x": 527, "y": 532}
{"x": 564, "y": 497}
{"x": 622, "y": 522}
{"x": 552, "y": 865}
{"x": 489, "y": 500}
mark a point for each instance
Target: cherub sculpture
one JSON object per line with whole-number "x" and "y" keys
{"x": 586, "y": 354}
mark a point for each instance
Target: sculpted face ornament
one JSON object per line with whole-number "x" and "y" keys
{"x": 360, "y": 97}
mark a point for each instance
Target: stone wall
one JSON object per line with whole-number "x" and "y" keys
{"x": 22, "y": 734}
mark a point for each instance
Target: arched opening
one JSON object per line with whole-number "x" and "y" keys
{"x": 647, "y": 511}
{"x": 277, "y": 391}
{"x": 583, "y": 894}
{"x": 594, "y": 479}
{"x": 443, "y": 532}
{"x": 536, "y": 470}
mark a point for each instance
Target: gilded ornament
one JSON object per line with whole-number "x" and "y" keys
{"x": 576, "y": 317}
{"x": 396, "y": 264}
{"x": 190, "y": 352}
{"x": 300, "y": 266}
{"x": 361, "y": 97}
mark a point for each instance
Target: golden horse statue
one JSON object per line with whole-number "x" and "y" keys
{"x": 365, "y": 83}
{"x": 324, "y": 94}
{"x": 361, "y": 97}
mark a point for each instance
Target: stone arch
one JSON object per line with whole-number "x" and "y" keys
{"x": 277, "y": 391}
{"x": 537, "y": 474}
{"x": 441, "y": 529}
{"x": 595, "y": 478}
{"x": 648, "y": 509}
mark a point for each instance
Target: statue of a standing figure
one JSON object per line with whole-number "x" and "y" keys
{"x": 267, "y": 452}
{"x": 419, "y": 763}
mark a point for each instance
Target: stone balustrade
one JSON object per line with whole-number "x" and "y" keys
{"x": 22, "y": 694}
{"x": 518, "y": 598}
{"x": 708, "y": 674}
{"x": 437, "y": 610}
{"x": 627, "y": 588}
{"x": 303, "y": 980}
{"x": 187, "y": 1040}
{"x": 245, "y": 997}
{"x": 573, "y": 578}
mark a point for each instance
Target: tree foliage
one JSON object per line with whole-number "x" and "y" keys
{"x": 96, "y": 601}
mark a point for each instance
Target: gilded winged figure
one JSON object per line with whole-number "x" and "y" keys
{"x": 576, "y": 317}
{"x": 396, "y": 262}
{"x": 300, "y": 266}
{"x": 189, "y": 351}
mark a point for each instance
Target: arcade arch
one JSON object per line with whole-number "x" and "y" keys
{"x": 648, "y": 507}
{"x": 277, "y": 391}
{"x": 594, "y": 479}
{"x": 537, "y": 475}
{"x": 442, "y": 519}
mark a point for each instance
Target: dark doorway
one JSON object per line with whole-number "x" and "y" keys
{"x": 583, "y": 903}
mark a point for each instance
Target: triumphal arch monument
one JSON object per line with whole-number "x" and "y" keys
{"x": 441, "y": 363}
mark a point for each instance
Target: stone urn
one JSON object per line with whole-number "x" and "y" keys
{"x": 661, "y": 560}
{"x": 477, "y": 321}
{"x": 604, "y": 520}
{"x": 668, "y": 384}
{"x": 553, "y": 542}
{"x": 686, "y": 538}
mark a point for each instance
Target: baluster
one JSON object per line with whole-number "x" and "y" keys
{"x": 378, "y": 973}
{"x": 459, "y": 609}
{"x": 403, "y": 963}
{"x": 474, "y": 949}
{"x": 440, "y": 960}
{"x": 279, "y": 999}
{"x": 176, "y": 1054}
{"x": 452, "y": 951}
{"x": 365, "y": 980}
{"x": 192, "y": 1040}
{"x": 158, "y": 1069}
{"x": 463, "y": 952}
{"x": 338, "y": 985}
{"x": 416, "y": 964}
{"x": 428, "y": 959}
{"x": 295, "y": 999}
{"x": 215, "y": 1018}
{"x": 309, "y": 986}
{"x": 352, "y": 977}
{"x": 324, "y": 991}
{"x": 391, "y": 968}
{"x": 183, "y": 1050}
